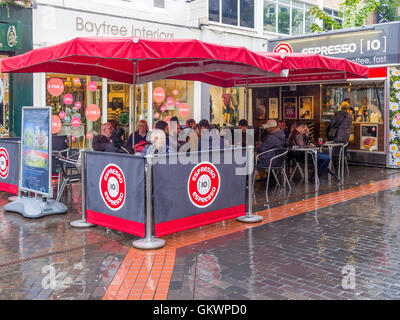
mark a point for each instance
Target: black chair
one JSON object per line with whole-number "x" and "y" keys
{"x": 276, "y": 164}
{"x": 59, "y": 145}
{"x": 69, "y": 169}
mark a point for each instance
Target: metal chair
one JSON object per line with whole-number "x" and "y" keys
{"x": 276, "y": 163}
{"x": 69, "y": 169}
{"x": 291, "y": 158}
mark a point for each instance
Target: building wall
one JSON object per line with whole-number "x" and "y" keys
{"x": 20, "y": 84}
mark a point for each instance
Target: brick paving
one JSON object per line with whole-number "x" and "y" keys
{"x": 298, "y": 252}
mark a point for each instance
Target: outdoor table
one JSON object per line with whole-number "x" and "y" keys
{"x": 330, "y": 146}
{"x": 313, "y": 151}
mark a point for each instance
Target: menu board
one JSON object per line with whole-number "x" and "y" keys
{"x": 369, "y": 137}
{"x": 35, "y": 175}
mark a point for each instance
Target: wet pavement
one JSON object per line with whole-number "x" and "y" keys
{"x": 308, "y": 246}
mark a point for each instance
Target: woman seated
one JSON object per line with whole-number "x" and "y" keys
{"x": 117, "y": 143}
{"x": 158, "y": 144}
{"x": 140, "y": 133}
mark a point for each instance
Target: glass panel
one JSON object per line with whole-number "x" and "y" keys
{"x": 173, "y": 98}
{"x": 284, "y": 17}
{"x": 118, "y": 104}
{"x": 230, "y": 12}
{"x": 297, "y": 21}
{"x": 227, "y": 105}
{"x": 70, "y": 96}
{"x": 247, "y": 13}
{"x": 269, "y": 16}
{"x": 309, "y": 19}
{"x": 4, "y": 104}
{"x": 213, "y": 10}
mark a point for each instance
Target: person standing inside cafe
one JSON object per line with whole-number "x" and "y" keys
{"x": 341, "y": 121}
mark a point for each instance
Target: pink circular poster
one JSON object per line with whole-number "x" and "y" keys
{"x": 68, "y": 99}
{"x": 92, "y": 85}
{"x": 159, "y": 94}
{"x": 55, "y": 124}
{"x": 75, "y": 122}
{"x": 61, "y": 114}
{"x": 89, "y": 135}
{"x": 92, "y": 112}
{"x": 55, "y": 87}
{"x": 78, "y": 105}
{"x": 184, "y": 109}
{"x": 156, "y": 115}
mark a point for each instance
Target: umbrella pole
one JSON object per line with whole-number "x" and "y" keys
{"x": 134, "y": 105}
{"x": 247, "y": 99}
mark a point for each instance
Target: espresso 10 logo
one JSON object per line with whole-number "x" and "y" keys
{"x": 203, "y": 184}
{"x": 4, "y": 163}
{"x": 113, "y": 187}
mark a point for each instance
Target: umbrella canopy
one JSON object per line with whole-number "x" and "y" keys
{"x": 138, "y": 60}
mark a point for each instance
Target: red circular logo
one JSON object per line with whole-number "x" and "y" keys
{"x": 55, "y": 87}
{"x": 4, "y": 163}
{"x": 204, "y": 184}
{"x": 283, "y": 47}
{"x": 112, "y": 187}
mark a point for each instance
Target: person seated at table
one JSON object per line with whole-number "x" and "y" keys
{"x": 244, "y": 125}
{"x": 215, "y": 141}
{"x": 297, "y": 139}
{"x": 190, "y": 123}
{"x": 140, "y": 133}
{"x": 274, "y": 139}
{"x": 118, "y": 144}
{"x": 158, "y": 144}
{"x": 100, "y": 141}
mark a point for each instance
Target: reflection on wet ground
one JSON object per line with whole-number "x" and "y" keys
{"x": 300, "y": 257}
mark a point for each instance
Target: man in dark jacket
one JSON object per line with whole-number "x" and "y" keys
{"x": 102, "y": 140}
{"x": 275, "y": 139}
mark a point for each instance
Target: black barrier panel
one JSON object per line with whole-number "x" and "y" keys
{"x": 115, "y": 191}
{"x": 9, "y": 164}
{"x": 190, "y": 195}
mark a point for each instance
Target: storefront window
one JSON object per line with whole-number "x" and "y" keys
{"x": 270, "y": 16}
{"x": 284, "y": 17}
{"x": 230, "y": 12}
{"x": 118, "y": 104}
{"x": 247, "y": 13}
{"x": 213, "y": 10}
{"x": 367, "y": 103}
{"x": 4, "y": 105}
{"x": 227, "y": 105}
{"x": 173, "y": 98}
{"x": 77, "y": 103}
{"x": 297, "y": 18}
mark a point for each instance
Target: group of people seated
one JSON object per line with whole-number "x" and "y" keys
{"x": 165, "y": 138}
{"x": 278, "y": 136}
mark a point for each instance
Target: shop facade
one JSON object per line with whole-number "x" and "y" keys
{"x": 374, "y": 102}
{"x": 15, "y": 89}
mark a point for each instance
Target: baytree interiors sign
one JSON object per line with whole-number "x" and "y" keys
{"x": 378, "y": 45}
{"x": 106, "y": 29}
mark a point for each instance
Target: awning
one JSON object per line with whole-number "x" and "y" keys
{"x": 138, "y": 60}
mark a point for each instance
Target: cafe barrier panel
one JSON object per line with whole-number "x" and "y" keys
{"x": 115, "y": 191}
{"x": 201, "y": 192}
{"x": 9, "y": 164}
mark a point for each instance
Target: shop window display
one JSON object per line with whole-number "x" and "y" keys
{"x": 76, "y": 102}
{"x": 173, "y": 98}
{"x": 227, "y": 105}
{"x": 366, "y": 107}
